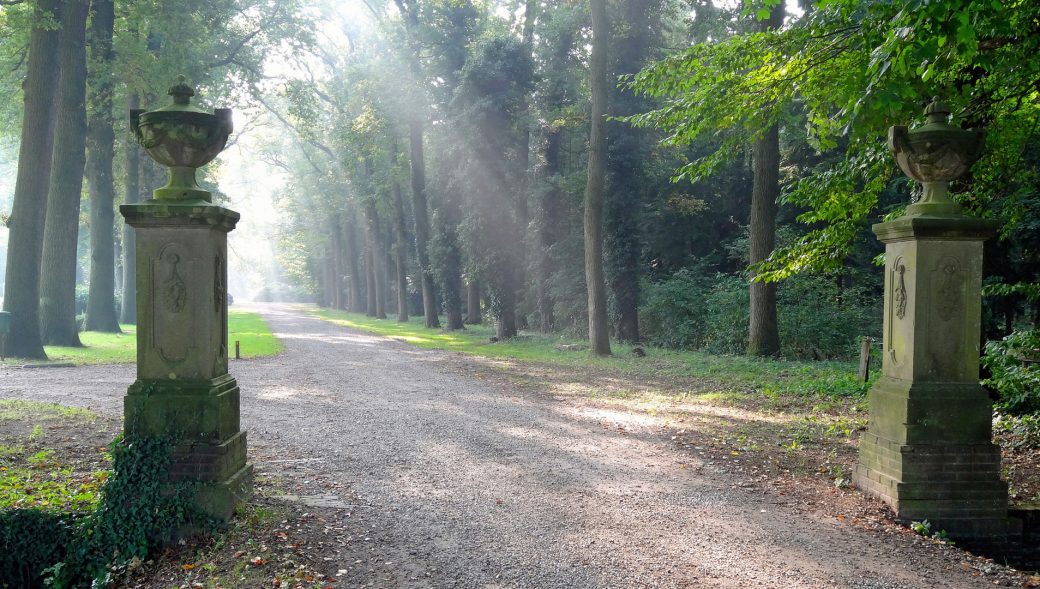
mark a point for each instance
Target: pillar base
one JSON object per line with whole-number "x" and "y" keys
{"x": 944, "y": 467}
{"x": 209, "y": 446}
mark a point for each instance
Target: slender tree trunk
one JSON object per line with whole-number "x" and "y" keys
{"x": 523, "y": 174}
{"x": 375, "y": 258}
{"x": 131, "y": 195}
{"x": 547, "y": 228}
{"x": 505, "y": 323}
{"x": 61, "y": 233}
{"x": 389, "y": 272}
{"x": 342, "y": 265}
{"x": 401, "y": 247}
{"x": 26, "y": 224}
{"x": 598, "y": 334}
{"x": 473, "y": 313}
{"x": 336, "y": 234}
{"x": 356, "y": 304}
{"x": 763, "y": 331}
{"x": 370, "y": 282}
{"x": 328, "y": 280}
{"x": 101, "y": 300}
{"x": 422, "y": 224}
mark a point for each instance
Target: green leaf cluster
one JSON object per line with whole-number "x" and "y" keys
{"x": 139, "y": 510}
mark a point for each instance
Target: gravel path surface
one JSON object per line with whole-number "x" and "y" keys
{"x": 468, "y": 484}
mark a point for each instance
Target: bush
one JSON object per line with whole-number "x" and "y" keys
{"x": 818, "y": 319}
{"x": 138, "y": 511}
{"x": 674, "y": 315}
{"x": 1019, "y": 432}
{"x": 31, "y": 540}
{"x": 821, "y": 320}
{"x": 1014, "y": 366}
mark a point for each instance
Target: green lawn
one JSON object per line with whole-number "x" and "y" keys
{"x": 116, "y": 348}
{"x": 791, "y": 377}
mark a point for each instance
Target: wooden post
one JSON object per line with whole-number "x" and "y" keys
{"x": 238, "y": 350}
{"x": 864, "y": 359}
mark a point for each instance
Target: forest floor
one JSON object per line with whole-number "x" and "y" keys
{"x": 383, "y": 465}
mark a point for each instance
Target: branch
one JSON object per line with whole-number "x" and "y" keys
{"x": 230, "y": 58}
{"x": 310, "y": 140}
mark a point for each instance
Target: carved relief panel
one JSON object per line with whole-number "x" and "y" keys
{"x": 172, "y": 337}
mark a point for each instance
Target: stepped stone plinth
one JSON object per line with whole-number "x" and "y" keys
{"x": 183, "y": 388}
{"x": 929, "y": 451}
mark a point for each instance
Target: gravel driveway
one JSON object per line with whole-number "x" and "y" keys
{"x": 469, "y": 484}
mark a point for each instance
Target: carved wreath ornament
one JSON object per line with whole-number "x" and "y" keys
{"x": 174, "y": 291}
{"x": 899, "y": 297}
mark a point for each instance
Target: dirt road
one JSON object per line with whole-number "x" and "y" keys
{"x": 464, "y": 483}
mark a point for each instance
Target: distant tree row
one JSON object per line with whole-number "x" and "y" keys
{"x": 678, "y": 172}
{"x": 72, "y": 65}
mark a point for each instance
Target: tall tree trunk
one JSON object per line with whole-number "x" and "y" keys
{"x": 523, "y": 174}
{"x": 25, "y": 240}
{"x": 628, "y": 155}
{"x": 599, "y": 339}
{"x": 101, "y": 300}
{"x": 422, "y": 223}
{"x": 328, "y": 280}
{"x": 131, "y": 195}
{"x": 61, "y": 232}
{"x": 336, "y": 233}
{"x": 763, "y": 331}
{"x": 389, "y": 272}
{"x": 356, "y": 304}
{"x": 505, "y": 322}
{"x": 370, "y": 281}
{"x": 473, "y": 314}
{"x": 375, "y": 259}
{"x": 547, "y": 227}
{"x": 401, "y": 245}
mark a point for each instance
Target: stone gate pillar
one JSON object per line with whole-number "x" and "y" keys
{"x": 928, "y": 452}
{"x": 183, "y": 388}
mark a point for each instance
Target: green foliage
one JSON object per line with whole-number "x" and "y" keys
{"x": 852, "y": 69}
{"x": 923, "y": 528}
{"x": 139, "y": 509}
{"x": 1014, "y": 371}
{"x": 31, "y": 540}
{"x": 818, "y": 318}
{"x": 1019, "y": 431}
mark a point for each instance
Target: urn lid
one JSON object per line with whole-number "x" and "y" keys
{"x": 181, "y": 93}
{"x": 937, "y": 114}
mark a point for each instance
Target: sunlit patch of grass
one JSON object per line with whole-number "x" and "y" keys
{"x": 253, "y": 335}
{"x": 19, "y": 410}
{"x": 737, "y": 373}
{"x": 121, "y": 348}
{"x": 98, "y": 348}
{"x": 49, "y": 485}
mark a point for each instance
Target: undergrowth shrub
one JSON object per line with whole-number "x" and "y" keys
{"x": 1014, "y": 368}
{"x": 31, "y": 540}
{"x": 1020, "y": 432}
{"x": 817, "y": 318}
{"x": 138, "y": 511}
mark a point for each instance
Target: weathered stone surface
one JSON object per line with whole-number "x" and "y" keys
{"x": 929, "y": 451}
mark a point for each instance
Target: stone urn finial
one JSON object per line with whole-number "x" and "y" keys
{"x": 935, "y": 154}
{"x": 182, "y": 137}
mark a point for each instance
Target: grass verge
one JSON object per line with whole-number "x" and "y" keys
{"x": 771, "y": 377}
{"x": 39, "y": 468}
{"x": 117, "y": 348}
